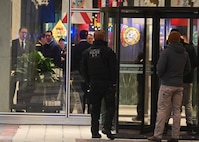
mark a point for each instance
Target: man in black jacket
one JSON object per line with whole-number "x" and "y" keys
{"x": 41, "y": 42}
{"x": 188, "y": 80}
{"x": 51, "y": 49}
{"x": 75, "y": 74}
{"x": 78, "y": 50}
{"x": 99, "y": 68}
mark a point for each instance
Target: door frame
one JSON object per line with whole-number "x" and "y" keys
{"x": 156, "y": 13}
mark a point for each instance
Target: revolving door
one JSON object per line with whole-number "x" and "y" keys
{"x": 138, "y": 35}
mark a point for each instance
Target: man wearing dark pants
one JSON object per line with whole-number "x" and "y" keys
{"x": 99, "y": 69}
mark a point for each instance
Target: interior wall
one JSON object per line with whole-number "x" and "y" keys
{"x": 16, "y": 18}
{"x": 5, "y": 28}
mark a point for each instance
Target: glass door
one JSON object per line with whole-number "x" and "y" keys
{"x": 138, "y": 81}
{"x": 140, "y": 35}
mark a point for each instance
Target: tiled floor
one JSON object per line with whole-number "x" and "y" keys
{"x": 54, "y": 133}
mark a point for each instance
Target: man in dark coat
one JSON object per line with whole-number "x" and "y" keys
{"x": 172, "y": 65}
{"x": 187, "y": 82}
{"x": 41, "y": 42}
{"x": 51, "y": 49}
{"x": 75, "y": 74}
{"x": 78, "y": 49}
{"x": 99, "y": 69}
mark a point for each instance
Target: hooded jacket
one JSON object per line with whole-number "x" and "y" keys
{"x": 173, "y": 64}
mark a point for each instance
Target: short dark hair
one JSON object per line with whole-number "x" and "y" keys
{"x": 176, "y": 30}
{"x": 83, "y": 34}
{"x": 22, "y": 28}
{"x": 49, "y": 32}
{"x": 40, "y": 36}
{"x": 99, "y": 35}
{"x": 61, "y": 39}
{"x": 174, "y": 37}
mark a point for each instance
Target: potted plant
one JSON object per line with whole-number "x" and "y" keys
{"x": 37, "y": 72}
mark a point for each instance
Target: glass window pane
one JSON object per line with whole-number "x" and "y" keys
{"x": 87, "y": 23}
{"x": 37, "y": 60}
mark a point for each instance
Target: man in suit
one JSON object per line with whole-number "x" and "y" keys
{"x": 20, "y": 47}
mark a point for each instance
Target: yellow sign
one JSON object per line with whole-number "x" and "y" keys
{"x": 78, "y": 3}
{"x": 59, "y": 31}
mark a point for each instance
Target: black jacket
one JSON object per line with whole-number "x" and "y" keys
{"x": 17, "y": 51}
{"x": 188, "y": 78}
{"x": 77, "y": 54}
{"x": 99, "y": 63}
{"x": 52, "y": 50}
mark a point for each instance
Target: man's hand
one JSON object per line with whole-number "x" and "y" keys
{"x": 112, "y": 90}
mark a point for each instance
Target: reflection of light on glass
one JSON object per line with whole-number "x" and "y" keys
{"x": 110, "y": 29}
{"x": 72, "y": 31}
{"x": 24, "y": 35}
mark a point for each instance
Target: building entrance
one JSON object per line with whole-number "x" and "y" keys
{"x": 138, "y": 35}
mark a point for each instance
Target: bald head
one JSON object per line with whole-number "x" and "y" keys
{"x": 99, "y": 35}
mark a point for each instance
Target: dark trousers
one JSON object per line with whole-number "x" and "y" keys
{"x": 140, "y": 92}
{"x": 86, "y": 97}
{"x": 100, "y": 90}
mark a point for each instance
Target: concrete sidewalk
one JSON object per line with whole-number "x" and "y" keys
{"x": 55, "y": 133}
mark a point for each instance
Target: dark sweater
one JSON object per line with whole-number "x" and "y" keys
{"x": 173, "y": 64}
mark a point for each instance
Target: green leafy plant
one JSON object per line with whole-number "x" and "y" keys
{"x": 37, "y": 68}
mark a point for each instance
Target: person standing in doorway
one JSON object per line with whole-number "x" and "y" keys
{"x": 172, "y": 65}
{"x": 187, "y": 82}
{"x": 140, "y": 89}
{"x": 99, "y": 69}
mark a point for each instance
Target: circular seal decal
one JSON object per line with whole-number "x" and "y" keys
{"x": 195, "y": 38}
{"x": 78, "y": 3}
{"x": 131, "y": 36}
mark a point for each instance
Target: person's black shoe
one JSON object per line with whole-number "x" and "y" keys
{"x": 190, "y": 128}
{"x": 96, "y": 135}
{"x": 108, "y": 134}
